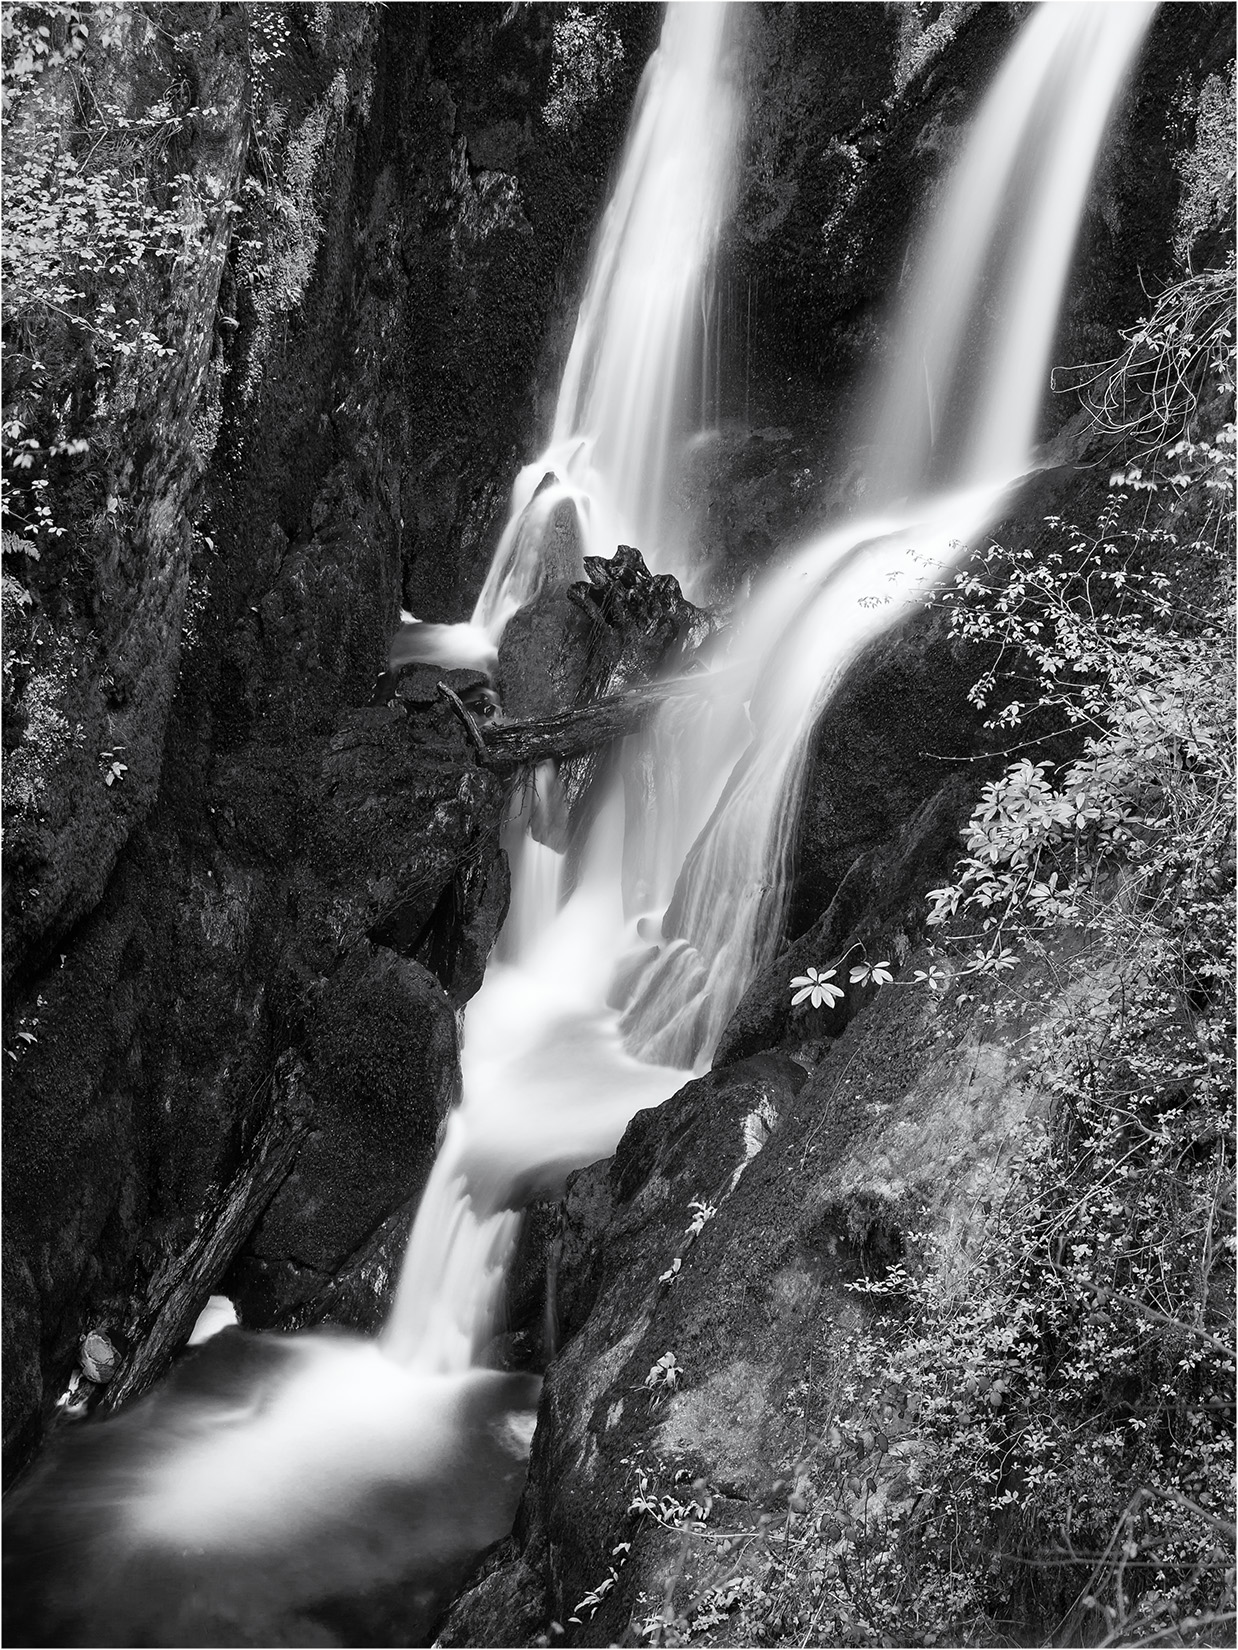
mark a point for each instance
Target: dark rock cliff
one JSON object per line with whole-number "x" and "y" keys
{"x": 270, "y": 911}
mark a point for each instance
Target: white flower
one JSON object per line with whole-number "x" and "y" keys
{"x": 813, "y": 986}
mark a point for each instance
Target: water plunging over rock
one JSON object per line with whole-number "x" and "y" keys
{"x": 616, "y": 981}
{"x": 1000, "y": 246}
{"x": 629, "y": 392}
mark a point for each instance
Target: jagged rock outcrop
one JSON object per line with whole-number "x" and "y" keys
{"x": 575, "y": 645}
{"x": 578, "y": 642}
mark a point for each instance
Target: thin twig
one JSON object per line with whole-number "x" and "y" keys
{"x": 462, "y": 711}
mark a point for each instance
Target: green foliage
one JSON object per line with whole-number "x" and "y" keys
{"x": 35, "y": 39}
{"x": 1122, "y": 633}
{"x": 664, "y": 1376}
{"x": 587, "y": 53}
{"x": 815, "y": 987}
{"x": 95, "y": 214}
{"x": 1067, "y": 1386}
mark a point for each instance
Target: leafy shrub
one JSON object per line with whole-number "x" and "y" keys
{"x": 1068, "y": 1389}
{"x": 1035, "y": 1438}
{"x": 587, "y": 53}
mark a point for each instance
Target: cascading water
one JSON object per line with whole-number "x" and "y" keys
{"x": 551, "y": 1071}
{"x": 957, "y": 419}
{"x": 548, "y": 1085}
{"x": 548, "y": 1082}
{"x": 633, "y": 383}
{"x": 631, "y": 386}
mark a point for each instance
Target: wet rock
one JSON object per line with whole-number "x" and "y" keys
{"x": 403, "y": 809}
{"x": 620, "y": 626}
{"x": 877, "y": 906}
{"x": 380, "y": 1071}
{"x": 465, "y": 925}
{"x": 548, "y": 655}
{"x": 899, "y": 724}
{"x": 751, "y": 495}
{"x": 98, "y": 1357}
{"x": 506, "y": 1603}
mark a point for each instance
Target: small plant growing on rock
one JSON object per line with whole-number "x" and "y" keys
{"x": 664, "y": 1376}
{"x": 814, "y": 986}
{"x": 702, "y": 1213}
{"x": 588, "y": 1606}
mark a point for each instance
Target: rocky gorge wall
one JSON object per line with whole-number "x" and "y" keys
{"x": 240, "y": 964}
{"x": 401, "y": 207}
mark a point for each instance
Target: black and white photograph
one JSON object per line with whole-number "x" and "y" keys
{"x": 618, "y": 648}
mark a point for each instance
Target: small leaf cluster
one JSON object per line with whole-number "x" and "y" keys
{"x": 94, "y": 221}
{"x": 664, "y": 1376}
{"x": 1067, "y": 1384}
{"x": 815, "y": 986}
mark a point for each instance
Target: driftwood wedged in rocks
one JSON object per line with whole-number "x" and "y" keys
{"x": 180, "y": 1287}
{"x": 572, "y": 732}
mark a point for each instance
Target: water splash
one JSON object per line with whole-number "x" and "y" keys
{"x": 630, "y": 392}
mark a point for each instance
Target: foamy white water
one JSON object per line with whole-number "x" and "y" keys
{"x": 547, "y": 1087}
{"x": 343, "y": 1420}
{"x": 630, "y": 389}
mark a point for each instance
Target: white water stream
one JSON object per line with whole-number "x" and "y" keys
{"x": 552, "y": 1069}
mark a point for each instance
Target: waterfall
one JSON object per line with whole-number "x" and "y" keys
{"x": 956, "y": 420}
{"x": 632, "y": 387}
{"x": 596, "y": 1004}
{"x": 549, "y": 1073}
{"x": 548, "y": 1085}
{"x": 960, "y": 401}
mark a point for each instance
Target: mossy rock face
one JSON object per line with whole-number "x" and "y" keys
{"x": 93, "y": 651}
{"x": 811, "y": 1177}
{"x": 380, "y": 1070}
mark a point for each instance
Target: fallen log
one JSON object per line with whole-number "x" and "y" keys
{"x": 572, "y": 732}
{"x": 181, "y": 1285}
